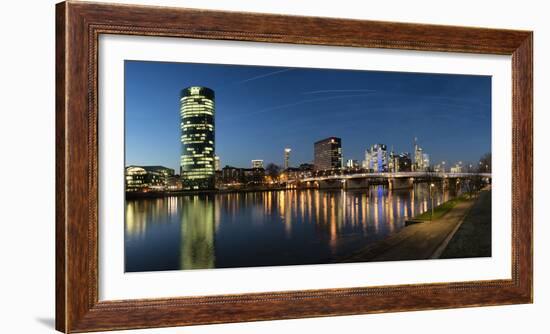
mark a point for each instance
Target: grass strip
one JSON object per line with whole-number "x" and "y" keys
{"x": 441, "y": 210}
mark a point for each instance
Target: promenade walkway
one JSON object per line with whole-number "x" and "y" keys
{"x": 420, "y": 241}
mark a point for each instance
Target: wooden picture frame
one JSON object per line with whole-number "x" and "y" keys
{"x": 78, "y": 26}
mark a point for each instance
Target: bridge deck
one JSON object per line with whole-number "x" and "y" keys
{"x": 395, "y": 175}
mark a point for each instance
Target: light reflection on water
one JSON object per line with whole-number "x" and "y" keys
{"x": 265, "y": 228}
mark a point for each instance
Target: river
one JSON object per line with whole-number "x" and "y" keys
{"x": 271, "y": 228}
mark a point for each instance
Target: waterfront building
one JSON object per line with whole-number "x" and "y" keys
{"x": 197, "y": 138}
{"x": 376, "y": 158}
{"x": 253, "y": 176}
{"x": 232, "y": 175}
{"x": 148, "y": 178}
{"x": 292, "y": 174}
{"x": 257, "y": 164}
{"x": 287, "y": 158}
{"x": 328, "y": 154}
{"x": 306, "y": 170}
{"x": 217, "y": 163}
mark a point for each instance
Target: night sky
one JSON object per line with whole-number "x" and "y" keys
{"x": 260, "y": 110}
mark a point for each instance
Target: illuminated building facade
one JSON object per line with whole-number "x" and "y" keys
{"x": 146, "y": 178}
{"x": 257, "y": 164}
{"x": 376, "y": 158}
{"x": 421, "y": 159}
{"x": 328, "y": 154}
{"x": 350, "y": 163}
{"x": 197, "y": 138}
{"x": 404, "y": 163}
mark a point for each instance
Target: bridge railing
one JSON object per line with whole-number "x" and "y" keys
{"x": 393, "y": 175}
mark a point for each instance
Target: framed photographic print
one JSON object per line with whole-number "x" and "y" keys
{"x": 221, "y": 167}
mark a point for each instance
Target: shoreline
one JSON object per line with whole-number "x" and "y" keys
{"x": 158, "y": 194}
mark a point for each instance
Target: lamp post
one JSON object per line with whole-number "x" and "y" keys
{"x": 432, "y": 199}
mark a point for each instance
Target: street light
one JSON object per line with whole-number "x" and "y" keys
{"x": 432, "y": 199}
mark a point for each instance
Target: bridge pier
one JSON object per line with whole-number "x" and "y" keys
{"x": 307, "y": 185}
{"x": 400, "y": 183}
{"x": 356, "y": 183}
{"x": 331, "y": 184}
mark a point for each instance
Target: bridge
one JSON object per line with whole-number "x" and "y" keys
{"x": 397, "y": 180}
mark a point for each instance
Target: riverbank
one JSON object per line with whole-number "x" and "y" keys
{"x": 158, "y": 194}
{"x": 430, "y": 239}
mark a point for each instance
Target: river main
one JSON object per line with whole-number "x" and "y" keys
{"x": 271, "y": 228}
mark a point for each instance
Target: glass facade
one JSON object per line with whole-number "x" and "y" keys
{"x": 376, "y": 158}
{"x": 197, "y": 114}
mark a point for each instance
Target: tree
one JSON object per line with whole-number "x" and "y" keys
{"x": 485, "y": 163}
{"x": 273, "y": 171}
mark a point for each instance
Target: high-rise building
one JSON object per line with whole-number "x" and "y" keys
{"x": 376, "y": 158}
{"x": 421, "y": 159}
{"x": 257, "y": 164}
{"x": 197, "y": 113}
{"x": 217, "y": 163}
{"x": 328, "y": 154}
{"x": 287, "y": 157}
{"x": 404, "y": 163}
{"x": 426, "y": 161}
{"x": 350, "y": 163}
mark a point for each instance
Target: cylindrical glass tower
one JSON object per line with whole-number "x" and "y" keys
{"x": 197, "y": 113}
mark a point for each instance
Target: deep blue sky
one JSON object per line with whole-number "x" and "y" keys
{"x": 260, "y": 110}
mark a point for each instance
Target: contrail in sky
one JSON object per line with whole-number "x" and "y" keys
{"x": 340, "y": 91}
{"x": 263, "y": 76}
{"x": 292, "y": 104}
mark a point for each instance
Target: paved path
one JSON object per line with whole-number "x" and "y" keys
{"x": 414, "y": 242}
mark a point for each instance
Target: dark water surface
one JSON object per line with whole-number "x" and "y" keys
{"x": 287, "y": 227}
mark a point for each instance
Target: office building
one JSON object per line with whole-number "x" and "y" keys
{"x": 328, "y": 154}
{"x": 257, "y": 164}
{"x": 376, "y": 158}
{"x": 197, "y": 138}
{"x": 404, "y": 163}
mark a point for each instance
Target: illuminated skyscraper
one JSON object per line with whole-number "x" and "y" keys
{"x": 328, "y": 154}
{"x": 421, "y": 159}
{"x": 197, "y": 113}
{"x": 287, "y": 157}
{"x": 377, "y": 158}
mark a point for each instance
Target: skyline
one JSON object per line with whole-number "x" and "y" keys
{"x": 261, "y": 110}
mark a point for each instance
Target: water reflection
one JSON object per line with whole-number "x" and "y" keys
{"x": 197, "y": 233}
{"x": 265, "y": 228}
